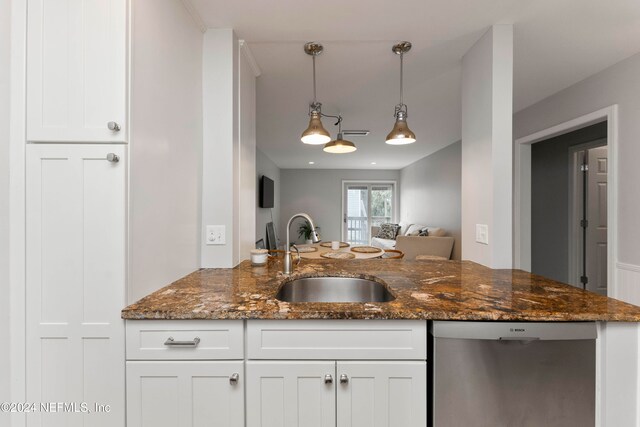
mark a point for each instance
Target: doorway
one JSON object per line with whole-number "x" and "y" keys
{"x": 366, "y": 204}
{"x": 523, "y": 235}
{"x": 564, "y": 215}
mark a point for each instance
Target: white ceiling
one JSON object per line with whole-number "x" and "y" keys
{"x": 557, "y": 43}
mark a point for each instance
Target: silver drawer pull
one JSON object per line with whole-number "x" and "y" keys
{"x": 113, "y": 158}
{"x": 113, "y": 126}
{"x": 344, "y": 379}
{"x": 173, "y": 343}
{"x": 328, "y": 379}
{"x": 233, "y": 379}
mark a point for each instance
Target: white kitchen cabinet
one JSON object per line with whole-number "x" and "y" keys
{"x": 75, "y": 280}
{"x": 185, "y": 394}
{"x": 76, "y": 70}
{"x": 291, "y": 394}
{"x": 381, "y": 394}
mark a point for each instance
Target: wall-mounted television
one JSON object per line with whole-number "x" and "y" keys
{"x": 266, "y": 192}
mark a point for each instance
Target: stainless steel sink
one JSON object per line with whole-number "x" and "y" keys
{"x": 334, "y": 289}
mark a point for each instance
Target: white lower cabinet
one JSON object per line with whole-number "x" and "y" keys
{"x": 342, "y": 394}
{"x": 382, "y": 394}
{"x": 185, "y": 394}
{"x": 291, "y": 393}
{"x": 187, "y": 382}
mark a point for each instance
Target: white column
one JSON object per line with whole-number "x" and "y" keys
{"x": 219, "y": 86}
{"x": 487, "y": 92}
{"x": 228, "y": 152}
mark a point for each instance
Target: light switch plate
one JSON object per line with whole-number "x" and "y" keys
{"x": 482, "y": 234}
{"x": 215, "y": 235}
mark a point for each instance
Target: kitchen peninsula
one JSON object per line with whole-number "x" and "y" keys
{"x": 225, "y": 343}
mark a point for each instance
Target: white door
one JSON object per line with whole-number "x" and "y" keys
{"x": 185, "y": 394}
{"x": 382, "y": 394}
{"x": 366, "y": 205}
{"x": 76, "y": 240}
{"x": 291, "y": 394}
{"x": 76, "y": 70}
{"x": 596, "y": 235}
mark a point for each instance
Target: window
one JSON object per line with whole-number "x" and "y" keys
{"x": 366, "y": 205}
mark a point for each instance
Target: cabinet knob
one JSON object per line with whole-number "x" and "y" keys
{"x": 113, "y": 126}
{"x": 113, "y": 158}
{"x": 344, "y": 379}
{"x": 233, "y": 379}
{"x": 328, "y": 379}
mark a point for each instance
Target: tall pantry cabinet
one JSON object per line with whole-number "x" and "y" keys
{"x": 76, "y": 208}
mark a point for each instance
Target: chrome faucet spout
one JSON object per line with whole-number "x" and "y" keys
{"x": 288, "y": 264}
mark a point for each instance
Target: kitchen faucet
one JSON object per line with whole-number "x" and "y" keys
{"x": 288, "y": 263}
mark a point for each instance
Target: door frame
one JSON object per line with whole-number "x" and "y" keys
{"x": 346, "y": 182}
{"x": 522, "y": 188}
{"x": 573, "y": 232}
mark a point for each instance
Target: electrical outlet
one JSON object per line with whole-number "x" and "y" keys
{"x": 482, "y": 234}
{"x": 215, "y": 235}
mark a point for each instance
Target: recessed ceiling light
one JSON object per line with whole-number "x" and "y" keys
{"x": 312, "y": 163}
{"x": 373, "y": 163}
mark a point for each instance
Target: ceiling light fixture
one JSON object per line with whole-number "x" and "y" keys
{"x": 315, "y": 134}
{"x": 401, "y": 134}
{"x": 312, "y": 163}
{"x": 339, "y": 145}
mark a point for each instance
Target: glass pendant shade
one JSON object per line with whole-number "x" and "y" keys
{"x": 340, "y": 146}
{"x": 400, "y": 134}
{"x": 315, "y": 134}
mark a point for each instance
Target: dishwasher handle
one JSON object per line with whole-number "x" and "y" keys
{"x": 514, "y": 331}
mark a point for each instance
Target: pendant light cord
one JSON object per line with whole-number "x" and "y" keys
{"x": 401, "y": 78}
{"x": 314, "y": 79}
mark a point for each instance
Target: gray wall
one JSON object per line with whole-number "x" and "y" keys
{"x": 4, "y": 201}
{"x": 619, "y": 85}
{"x": 550, "y": 201}
{"x": 430, "y": 192}
{"x": 319, "y": 193}
{"x": 266, "y": 166}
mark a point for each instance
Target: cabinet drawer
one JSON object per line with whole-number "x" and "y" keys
{"x": 337, "y": 339}
{"x": 185, "y": 339}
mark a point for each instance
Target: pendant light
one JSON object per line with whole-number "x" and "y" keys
{"x": 315, "y": 134}
{"x": 401, "y": 134}
{"x": 339, "y": 145}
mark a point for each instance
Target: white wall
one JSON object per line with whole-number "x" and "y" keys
{"x": 318, "y": 192}
{"x": 620, "y": 85}
{"x": 487, "y": 91}
{"x": 5, "y": 32}
{"x": 166, "y": 145}
{"x": 430, "y": 192}
{"x": 266, "y": 166}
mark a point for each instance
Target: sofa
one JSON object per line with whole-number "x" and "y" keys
{"x": 436, "y": 244}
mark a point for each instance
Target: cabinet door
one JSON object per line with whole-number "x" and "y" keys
{"x": 75, "y": 281}
{"x": 185, "y": 394}
{"x": 76, "y": 70}
{"x": 291, "y": 394}
{"x": 382, "y": 394}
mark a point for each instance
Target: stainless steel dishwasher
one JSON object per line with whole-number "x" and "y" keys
{"x": 506, "y": 374}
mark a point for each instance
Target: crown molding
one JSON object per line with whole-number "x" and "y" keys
{"x": 197, "y": 19}
{"x": 244, "y": 48}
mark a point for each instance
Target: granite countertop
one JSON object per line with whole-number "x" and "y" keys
{"x": 436, "y": 290}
